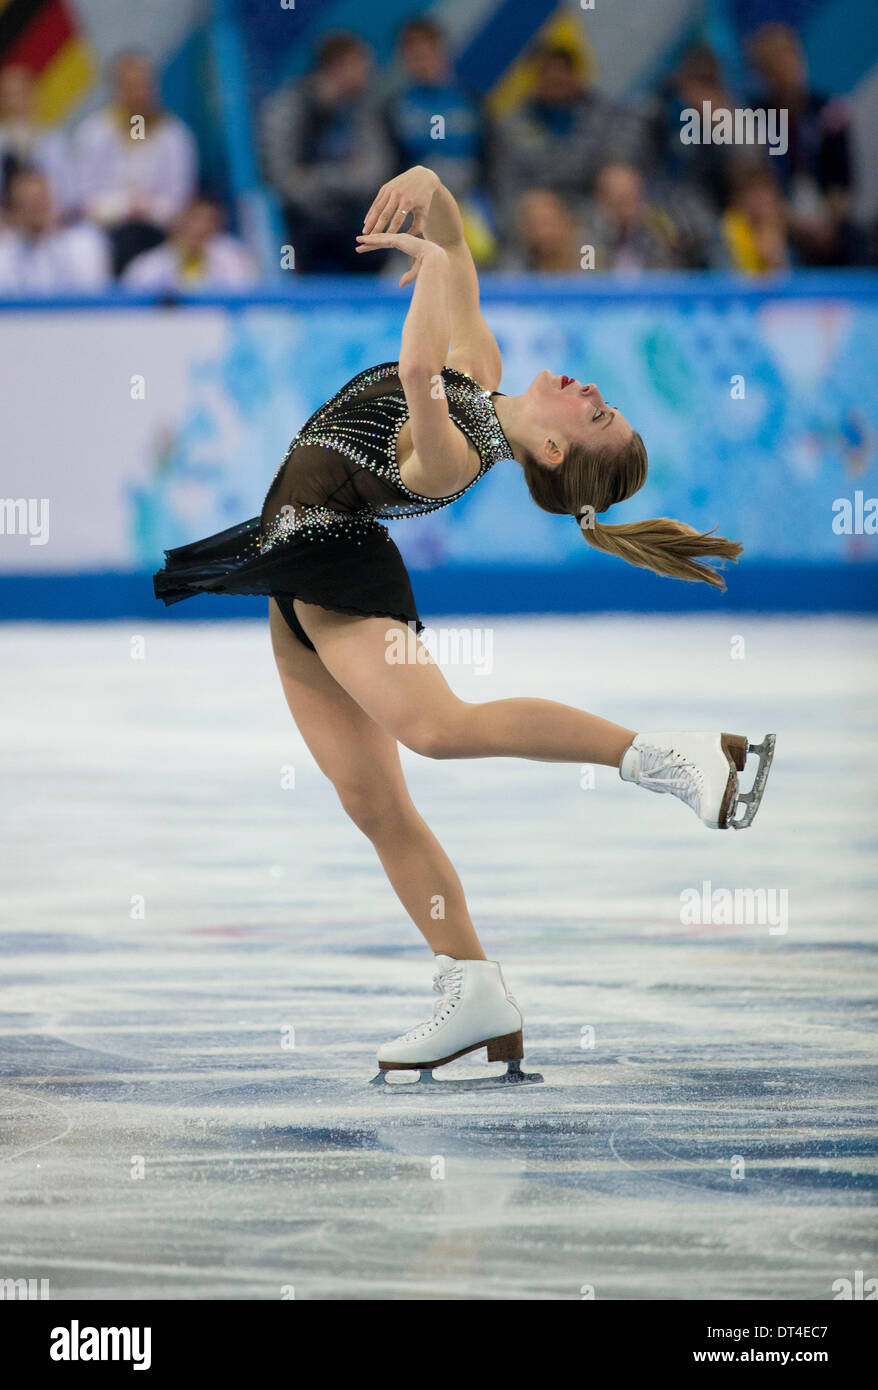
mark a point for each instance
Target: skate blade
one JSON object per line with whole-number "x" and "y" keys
{"x": 513, "y": 1076}
{"x": 750, "y": 801}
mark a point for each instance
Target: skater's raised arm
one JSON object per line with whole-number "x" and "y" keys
{"x": 436, "y": 217}
{"x": 442, "y": 464}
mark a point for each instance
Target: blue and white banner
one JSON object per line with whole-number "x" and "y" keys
{"x": 130, "y": 430}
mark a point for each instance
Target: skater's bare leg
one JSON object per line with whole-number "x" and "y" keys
{"x": 362, "y": 761}
{"x": 412, "y": 701}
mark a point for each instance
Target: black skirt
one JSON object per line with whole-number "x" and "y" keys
{"x": 358, "y": 571}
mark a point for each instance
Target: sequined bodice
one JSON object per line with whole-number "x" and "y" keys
{"x": 341, "y": 469}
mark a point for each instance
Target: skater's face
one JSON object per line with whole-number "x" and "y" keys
{"x": 573, "y": 413}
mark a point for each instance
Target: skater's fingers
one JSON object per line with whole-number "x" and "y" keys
{"x": 402, "y": 241}
{"x": 410, "y": 275}
{"x": 374, "y": 241}
{"x": 384, "y": 212}
{"x": 398, "y": 218}
{"x": 399, "y": 239}
{"x": 390, "y": 215}
{"x": 372, "y": 216}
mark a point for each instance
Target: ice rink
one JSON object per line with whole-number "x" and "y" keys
{"x": 201, "y": 955}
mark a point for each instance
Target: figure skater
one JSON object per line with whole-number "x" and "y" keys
{"x": 402, "y": 439}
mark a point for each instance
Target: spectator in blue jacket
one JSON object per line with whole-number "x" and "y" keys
{"x": 432, "y": 119}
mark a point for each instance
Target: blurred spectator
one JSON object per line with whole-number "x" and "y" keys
{"x": 628, "y": 233}
{"x": 755, "y": 227}
{"x": 25, "y": 144}
{"x": 705, "y": 168}
{"x": 561, "y": 135}
{"x": 134, "y": 176}
{"x": 38, "y": 257}
{"x": 546, "y": 236}
{"x": 816, "y": 171}
{"x": 430, "y": 94}
{"x": 197, "y": 255}
{"x": 327, "y": 153}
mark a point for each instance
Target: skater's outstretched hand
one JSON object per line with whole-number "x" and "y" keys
{"x": 414, "y": 246}
{"x": 436, "y": 220}
{"x": 411, "y": 192}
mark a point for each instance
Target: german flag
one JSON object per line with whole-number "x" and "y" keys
{"x": 45, "y": 36}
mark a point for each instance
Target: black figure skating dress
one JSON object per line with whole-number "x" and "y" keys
{"x": 319, "y": 537}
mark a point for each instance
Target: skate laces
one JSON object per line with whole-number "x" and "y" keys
{"x": 447, "y": 984}
{"x": 666, "y": 770}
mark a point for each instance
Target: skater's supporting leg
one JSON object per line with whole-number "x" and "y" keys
{"x": 362, "y": 761}
{"x": 412, "y": 701}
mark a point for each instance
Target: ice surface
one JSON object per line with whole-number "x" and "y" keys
{"x": 160, "y": 1036}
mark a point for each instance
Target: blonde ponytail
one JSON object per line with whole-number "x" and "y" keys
{"x": 590, "y": 481}
{"x": 665, "y": 547}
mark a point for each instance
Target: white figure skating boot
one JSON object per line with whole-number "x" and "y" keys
{"x": 474, "y": 1010}
{"x": 702, "y": 770}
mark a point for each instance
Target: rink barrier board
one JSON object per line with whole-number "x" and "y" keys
{"x": 588, "y": 287}
{"x": 463, "y": 589}
{"x": 812, "y": 576}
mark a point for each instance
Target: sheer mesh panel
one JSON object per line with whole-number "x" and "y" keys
{"x": 317, "y": 475}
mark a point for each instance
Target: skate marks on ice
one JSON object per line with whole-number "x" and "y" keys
{"x": 160, "y": 1140}
{"x": 30, "y": 1121}
{"x": 260, "y": 1175}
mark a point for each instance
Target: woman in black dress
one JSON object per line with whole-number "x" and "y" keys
{"x": 405, "y": 438}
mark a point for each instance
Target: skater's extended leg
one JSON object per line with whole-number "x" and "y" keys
{"x": 414, "y": 703}
{"x": 362, "y": 761}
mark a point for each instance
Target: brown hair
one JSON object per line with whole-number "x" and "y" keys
{"x": 337, "y": 45}
{"x": 422, "y": 26}
{"x": 591, "y": 480}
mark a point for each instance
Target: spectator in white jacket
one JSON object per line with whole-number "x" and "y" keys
{"x": 39, "y": 257}
{"x": 136, "y": 164}
{"x": 197, "y": 256}
{"x": 26, "y": 144}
